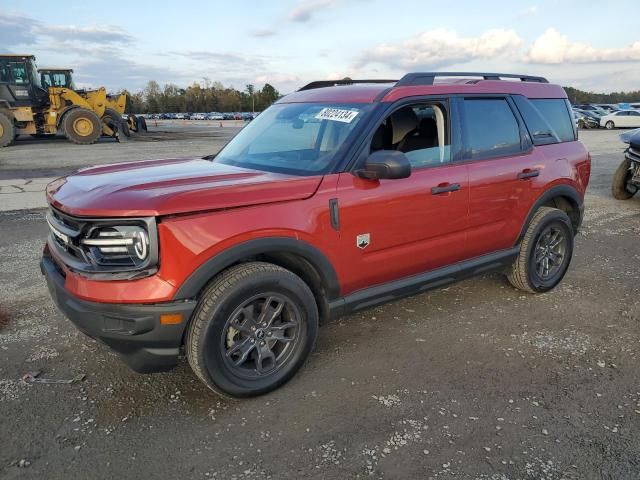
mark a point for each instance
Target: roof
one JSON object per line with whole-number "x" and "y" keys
{"x": 420, "y": 84}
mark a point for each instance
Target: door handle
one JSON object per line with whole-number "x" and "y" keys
{"x": 445, "y": 188}
{"x": 528, "y": 173}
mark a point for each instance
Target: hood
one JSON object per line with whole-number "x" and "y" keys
{"x": 173, "y": 186}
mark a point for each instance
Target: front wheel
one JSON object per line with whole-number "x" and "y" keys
{"x": 254, "y": 326}
{"x": 82, "y": 126}
{"x": 621, "y": 189}
{"x": 7, "y": 130}
{"x": 610, "y": 125}
{"x": 545, "y": 252}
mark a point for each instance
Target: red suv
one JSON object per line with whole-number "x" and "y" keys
{"x": 340, "y": 196}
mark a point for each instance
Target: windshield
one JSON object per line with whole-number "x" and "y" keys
{"x": 294, "y": 138}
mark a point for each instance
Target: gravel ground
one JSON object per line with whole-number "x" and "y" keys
{"x": 474, "y": 381}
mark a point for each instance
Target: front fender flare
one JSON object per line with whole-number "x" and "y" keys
{"x": 205, "y": 272}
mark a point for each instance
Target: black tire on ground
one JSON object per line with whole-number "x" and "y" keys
{"x": 581, "y": 124}
{"x": 142, "y": 124}
{"x": 113, "y": 119}
{"x": 132, "y": 120}
{"x": 610, "y": 125}
{"x": 545, "y": 252}
{"x": 82, "y": 126}
{"x": 619, "y": 188}
{"x": 248, "y": 314}
{"x": 124, "y": 128}
{"x": 7, "y": 130}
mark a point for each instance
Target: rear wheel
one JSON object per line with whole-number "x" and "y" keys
{"x": 620, "y": 188}
{"x": 545, "y": 252}
{"x": 610, "y": 125}
{"x": 254, "y": 326}
{"x": 581, "y": 124}
{"x": 82, "y": 126}
{"x": 7, "y": 130}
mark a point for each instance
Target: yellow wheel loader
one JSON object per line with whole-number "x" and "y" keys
{"x": 26, "y": 108}
{"x": 112, "y": 115}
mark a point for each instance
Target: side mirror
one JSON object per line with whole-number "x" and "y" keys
{"x": 389, "y": 164}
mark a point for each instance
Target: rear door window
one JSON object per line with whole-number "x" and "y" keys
{"x": 490, "y": 128}
{"x": 556, "y": 112}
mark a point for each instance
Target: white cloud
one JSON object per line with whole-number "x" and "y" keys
{"x": 263, "y": 32}
{"x": 306, "y": 9}
{"x": 552, "y": 47}
{"x": 97, "y": 34}
{"x": 440, "y": 47}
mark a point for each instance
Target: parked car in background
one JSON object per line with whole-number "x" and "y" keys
{"x": 621, "y": 119}
{"x": 228, "y": 116}
{"x": 199, "y": 116}
{"x": 591, "y": 108}
{"x": 586, "y": 121}
{"x": 608, "y": 108}
{"x": 587, "y": 118}
{"x": 215, "y": 116}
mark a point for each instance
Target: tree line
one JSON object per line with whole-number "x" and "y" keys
{"x": 209, "y": 96}
{"x": 580, "y": 96}
{"x": 206, "y": 96}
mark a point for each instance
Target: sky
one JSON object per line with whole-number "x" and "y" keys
{"x": 592, "y": 45}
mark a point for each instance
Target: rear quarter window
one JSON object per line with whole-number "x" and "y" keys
{"x": 556, "y": 112}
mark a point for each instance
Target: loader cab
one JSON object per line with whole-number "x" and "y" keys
{"x": 57, "y": 77}
{"x": 19, "y": 82}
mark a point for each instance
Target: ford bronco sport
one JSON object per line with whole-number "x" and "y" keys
{"x": 340, "y": 196}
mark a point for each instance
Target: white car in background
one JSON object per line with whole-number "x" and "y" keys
{"x": 199, "y": 116}
{"x": 621, "y": 119}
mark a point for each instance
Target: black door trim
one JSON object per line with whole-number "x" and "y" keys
{"x": 415, "y": 284}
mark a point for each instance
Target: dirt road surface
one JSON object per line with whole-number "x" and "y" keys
{"x": 474, "y": 381}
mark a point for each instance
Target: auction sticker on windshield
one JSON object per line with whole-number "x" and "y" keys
{"x": 337, "y": 115}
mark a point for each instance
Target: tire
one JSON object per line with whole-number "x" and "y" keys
{"x": 525, "y": 272}
{"x": 581, "y": 124}
{"x": 142, "y": 124}
{"x": 124, "y": 128}
{"x": 82, "y": 126}
{"x": 132, "y": 120}
{"x": 216, "y": 350}
{"x": 113, "y": 119}
{"x": 7, "y": 130}
{"x": 620, "y": 178}
{"x": 610, "y": 125}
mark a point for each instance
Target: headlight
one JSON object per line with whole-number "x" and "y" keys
{"x": 105, "y": 248}
{"x": 126, "y": 245}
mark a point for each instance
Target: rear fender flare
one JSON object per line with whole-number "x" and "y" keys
{"x": 566, "y": 191}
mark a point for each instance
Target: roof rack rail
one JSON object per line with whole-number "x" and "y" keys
{"x": 333, "y": 83}
{"x": 427, "y": 78}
